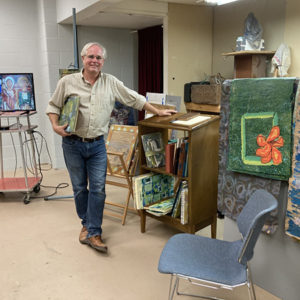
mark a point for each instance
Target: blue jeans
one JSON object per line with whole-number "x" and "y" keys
{"x": 86, "y": 164}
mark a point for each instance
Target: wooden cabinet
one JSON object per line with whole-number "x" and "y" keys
{"x": 202, "y": 170}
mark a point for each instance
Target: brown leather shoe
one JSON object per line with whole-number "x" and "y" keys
{"x": 83, "y": 235}
{"x": 96, "y": 243}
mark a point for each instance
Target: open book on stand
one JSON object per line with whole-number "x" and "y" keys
{"x": 69, "y": 113}
{"x": 190, "y": 119}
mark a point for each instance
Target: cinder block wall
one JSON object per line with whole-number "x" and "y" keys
{"x": 32, "y": 41}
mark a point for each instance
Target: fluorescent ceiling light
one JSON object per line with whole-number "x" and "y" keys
{"x": 219, "y": 2}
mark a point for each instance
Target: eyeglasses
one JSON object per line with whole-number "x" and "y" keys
{"x": 98, "y": 57}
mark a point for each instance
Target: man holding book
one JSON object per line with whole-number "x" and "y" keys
{"x": 84, "y": 149}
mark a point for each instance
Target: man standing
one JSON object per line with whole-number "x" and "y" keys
{"x": 84, "y": 151}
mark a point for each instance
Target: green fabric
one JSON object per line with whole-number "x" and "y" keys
{"x": 257, "y": 105}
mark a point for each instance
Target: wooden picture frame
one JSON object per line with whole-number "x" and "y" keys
{"x": 121, "y": 139}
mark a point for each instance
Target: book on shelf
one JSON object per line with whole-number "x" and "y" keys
{"x": 181, "y": 158}
{"x": 176, "y": 154}
{"x": 151, "y": 188}
{"x": 190, "y": 119}
{"x": 162, "y": 208}
{"x": 69, "y": 113}
{"x": 154, "y": 149}
{"x": 184, "y": 204}
{"x": 169, "y": 159}
{"x": 175, "y": 213}
{"x": 186, "y": 160}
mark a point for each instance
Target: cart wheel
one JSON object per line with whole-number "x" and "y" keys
{"x": 26, "y": 199}
{"x": 37, "y": 188}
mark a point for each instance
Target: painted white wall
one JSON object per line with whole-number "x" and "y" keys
{"x": 189, "y": 46}
{"x": 64, "y": 7}
{"x": 292, "y": 25}
{"x": 229, "y": 24}
{"x": 121, "y": 45}
{"x": 87, "y": 8}
{"x": 18, "y": 53}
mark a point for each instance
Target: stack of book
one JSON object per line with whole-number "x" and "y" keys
{"x": 152, "y": 188}
{"x": 180, "y": 205}
{"x": 176, "y": 159}
{"x": 155, "y": 193}
{"x": 162, "y": 208}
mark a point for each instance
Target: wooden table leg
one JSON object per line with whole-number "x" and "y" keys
{"x": 214, "y": 227}
{"x": 143, "y": 220}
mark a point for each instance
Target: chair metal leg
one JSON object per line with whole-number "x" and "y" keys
{"x": 250, "y": 286}
{"x": 175, "y": 287}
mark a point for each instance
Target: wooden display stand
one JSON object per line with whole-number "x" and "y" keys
{"x": 202, "y": 170}
{"x": 250, "y": 64}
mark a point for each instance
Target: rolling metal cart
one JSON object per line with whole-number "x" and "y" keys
{"x": 27, "y": 183}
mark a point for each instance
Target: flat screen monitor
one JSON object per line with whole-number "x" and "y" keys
{"x": 17, "y": 92}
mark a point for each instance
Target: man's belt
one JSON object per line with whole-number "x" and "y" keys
{"x": 84, "y": 140}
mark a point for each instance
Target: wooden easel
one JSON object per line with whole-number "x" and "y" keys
{"x": 121, "y": 173}
{"x": 128, "y": 174}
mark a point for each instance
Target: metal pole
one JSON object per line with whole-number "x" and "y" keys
{"x": 76, "y": 65}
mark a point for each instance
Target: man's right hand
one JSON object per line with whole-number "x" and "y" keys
{"x": 61, "y": 130}
{"x": 57, "y": 128}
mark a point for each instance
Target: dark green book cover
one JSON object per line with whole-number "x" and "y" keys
{"x": 69, "y": 113}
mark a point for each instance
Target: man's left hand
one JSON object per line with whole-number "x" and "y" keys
{"x": 166, "y": 112}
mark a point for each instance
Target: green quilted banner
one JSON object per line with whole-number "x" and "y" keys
{"x": 260, "y": 129}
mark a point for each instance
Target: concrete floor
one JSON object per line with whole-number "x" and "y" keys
{"x": 41, "y": 257}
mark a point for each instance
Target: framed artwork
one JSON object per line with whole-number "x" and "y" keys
{"x": 260, "y": 127}
{"x": 154, "y": 149}
{"x": 121, "y": 138}
{"x": 234, "y": 189}
{"x": 64, "y": 72}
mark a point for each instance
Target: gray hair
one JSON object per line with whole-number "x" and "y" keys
{"x": 88, "y": 45}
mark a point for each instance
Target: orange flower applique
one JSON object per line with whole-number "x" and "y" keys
{"x": 268, "y": 146}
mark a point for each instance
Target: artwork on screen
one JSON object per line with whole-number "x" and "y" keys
{"x": 17, "y": 92}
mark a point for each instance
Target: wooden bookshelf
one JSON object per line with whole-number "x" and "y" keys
{"x": 202, "y": 170}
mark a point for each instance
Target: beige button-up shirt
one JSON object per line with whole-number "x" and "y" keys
{"x": 96, "y": 102}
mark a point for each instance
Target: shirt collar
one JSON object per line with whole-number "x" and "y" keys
{"x": 81, "y": 73}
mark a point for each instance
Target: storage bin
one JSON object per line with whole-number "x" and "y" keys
{"x": 206, "y": 94}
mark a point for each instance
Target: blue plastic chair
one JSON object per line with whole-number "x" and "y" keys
{"x": 216, "y": 263}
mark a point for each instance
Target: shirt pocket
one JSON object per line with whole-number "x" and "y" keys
{"x": 104, "y": 102}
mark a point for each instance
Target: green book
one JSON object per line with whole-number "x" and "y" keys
{"x": 161, "y": 208}
{"x": 151, "y": 188}
{"x": 69, "y": 113}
